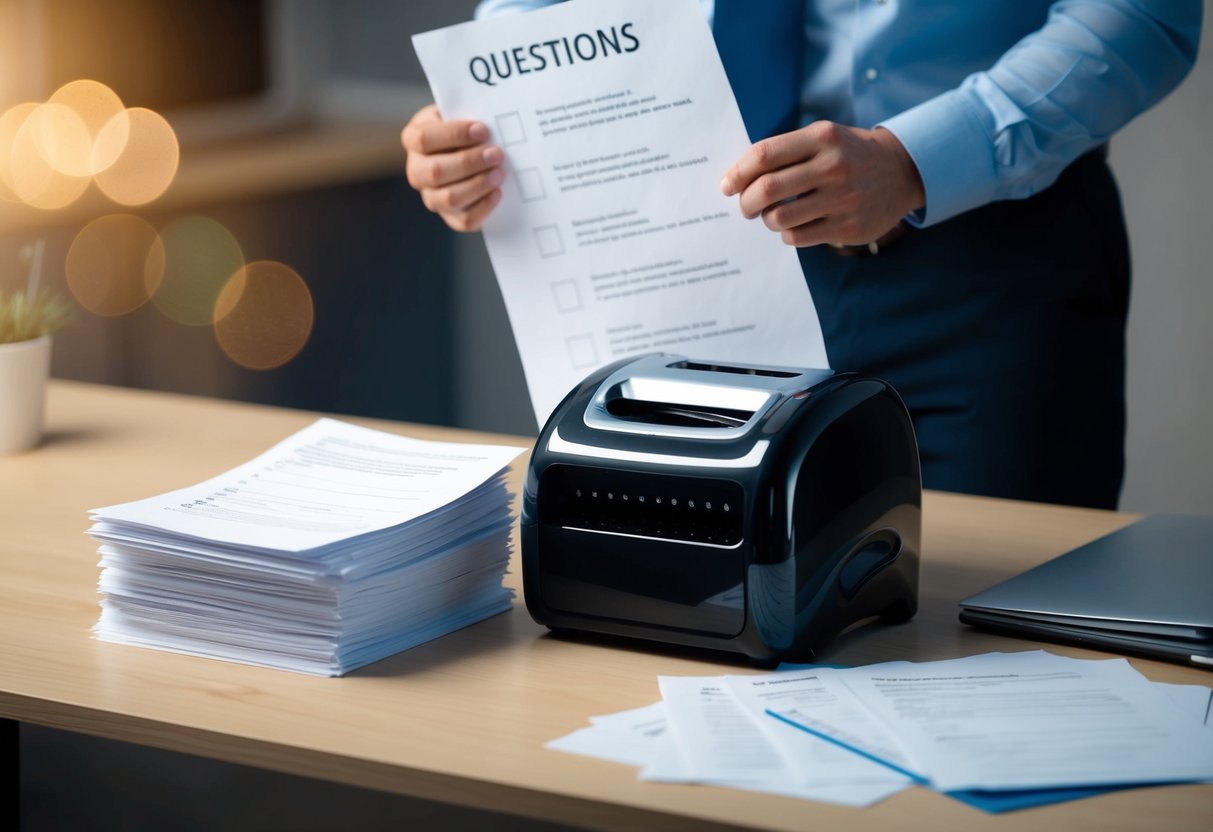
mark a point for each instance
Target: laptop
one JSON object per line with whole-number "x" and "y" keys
{"x": 1146, "y": 589}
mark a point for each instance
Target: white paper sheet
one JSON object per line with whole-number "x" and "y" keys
{"x": 808, "y": 694}
{"x": 1033, "y": 720}
{"x": 612, "y": 238}
{"x": 670, "y": 764}
{"x": 640, "y": 737}
{"x": 628, "y": 737}
{"x": 719, "y": 740}
{"x": 1194, "y": 699}
{"x": 819, "y": 703}
{"x": 834, "y": 761}
{"x": 327, "y": 483}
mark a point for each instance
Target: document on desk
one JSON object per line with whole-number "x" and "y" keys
{"x": 826, "y": 744}
{"x": 612, "y": 238}
{"x": 1030, "y": 720}
{"x": 820, "y": 706}
{"x": 721, "y": 741}
{"x": 627, "y": 737}
{"x": 641, "y": 737}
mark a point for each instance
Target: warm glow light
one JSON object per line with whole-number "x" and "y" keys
{"x": 10, "y": 125}
{"x": 115, "y": 264}
{"x": 95, "y": 106}
{"x": 34, "y": 179}
{"x": 146, "y": 156}
{"x": 263, "y": 316}
{"x": 62, "y": 138}
{"x": 199, "y": 257}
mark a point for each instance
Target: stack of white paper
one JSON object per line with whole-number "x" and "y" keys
{"x": 337, "y": 547}
{"x": 998, "y": 731}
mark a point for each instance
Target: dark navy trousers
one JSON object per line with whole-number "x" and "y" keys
{"x": 1004, "y": 331}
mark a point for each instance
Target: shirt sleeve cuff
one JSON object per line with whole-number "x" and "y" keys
{"x": 953, "y": 153}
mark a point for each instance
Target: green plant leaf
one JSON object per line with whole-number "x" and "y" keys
{"x": 23, "y": 318}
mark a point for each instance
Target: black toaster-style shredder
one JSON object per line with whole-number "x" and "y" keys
{"x": 757, "y": 510}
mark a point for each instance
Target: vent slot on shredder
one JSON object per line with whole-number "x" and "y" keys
{"x": 690, "y": 509}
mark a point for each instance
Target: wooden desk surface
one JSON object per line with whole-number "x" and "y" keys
{"x": 461, "y": 719}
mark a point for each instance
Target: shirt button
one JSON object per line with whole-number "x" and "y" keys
{"x": 871, "y": 74}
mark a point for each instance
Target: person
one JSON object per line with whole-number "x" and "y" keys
{"x": 941, "y": 168}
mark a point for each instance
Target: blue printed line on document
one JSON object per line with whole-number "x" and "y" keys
{"x": 917, "y": 778}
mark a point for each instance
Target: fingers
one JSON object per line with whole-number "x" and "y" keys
{"x": 774, "y": 187}
{"x": 427, "y": 133}
{"x": 777, "y": 152}
{"x": 443, "y": 169}
{"x": 806, "y": 221}
{"x": 825, "y": 230}
{"x": 818, "y": 217}
{"x": 827, "y": 183}
{"x": 461, "y": 195}
{"x": 471, "y": 218}
{"x": 448, "y": 162}
{"x": 795, "y": 212}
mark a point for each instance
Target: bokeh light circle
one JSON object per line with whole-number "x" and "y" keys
{"x": 146, "y": 156}
{"x": 264, "y": 315}
{"x": 46, "y": 134}
{"x": 11, "y": 122}
{"x": 115, "y": 264}
{"x": 200, "y": 255}
{"x": 94, "y": 105}
{"x": 62, "y": 138}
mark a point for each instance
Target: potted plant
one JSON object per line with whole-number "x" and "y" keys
{"x": 27, "y": 320}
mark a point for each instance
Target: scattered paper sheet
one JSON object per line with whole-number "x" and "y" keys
{"x": 640, "y": 737}
{"x": 626, "y": 737}
{"x": 1026, "y": 721}
{"x": 723, "y": 741}
{"x": 719, "y": 740}
{"x": 816, "y": 694}
{"x": 824, "y": 744}
{"x": 612, "y": 238}
{"x": 1193, "y": 699}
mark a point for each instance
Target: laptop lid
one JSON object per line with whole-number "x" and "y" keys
{"x": 1147, "y": 585}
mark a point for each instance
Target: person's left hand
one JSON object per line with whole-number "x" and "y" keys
{"x": 827, "y": 183}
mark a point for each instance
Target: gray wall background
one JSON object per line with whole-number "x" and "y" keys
{"x": 1166, "y": 177}
{"x": 1163, "y": 163}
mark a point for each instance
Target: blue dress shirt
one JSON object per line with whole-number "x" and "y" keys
{"x": 991, "y": 98}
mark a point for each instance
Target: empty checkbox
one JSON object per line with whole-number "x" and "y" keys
{"x": 509, "y": 127}
{"x": 530, "y": 184}
{"x": 550, "y": 243}
{"x": 568, "y": 297}
{"x": 581, "y": 351}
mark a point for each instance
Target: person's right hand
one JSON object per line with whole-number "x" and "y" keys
{"x": 448, "y": 162}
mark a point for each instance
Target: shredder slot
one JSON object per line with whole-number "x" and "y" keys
{"x": 664, "y": 413}
{"x": 725, "y": 368}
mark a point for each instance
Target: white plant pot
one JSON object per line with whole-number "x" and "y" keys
{"x": 24, "y": 369}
